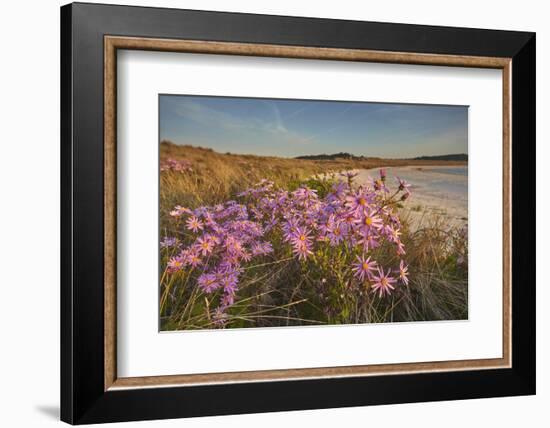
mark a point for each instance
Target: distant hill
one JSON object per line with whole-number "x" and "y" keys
{"x": 349, "y": 156}
{"x": 341, "y": 155}
{"x": 456, "y": 157}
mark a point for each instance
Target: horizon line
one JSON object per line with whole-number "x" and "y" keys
{"x": 306, "y": 156}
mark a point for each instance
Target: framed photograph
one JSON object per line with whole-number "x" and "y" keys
{"x": 266, "y": 213}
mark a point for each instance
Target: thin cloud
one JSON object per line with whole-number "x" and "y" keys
{"x": 210, "y": 117}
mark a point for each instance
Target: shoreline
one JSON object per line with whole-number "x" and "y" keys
{"x": 434, "y": 193}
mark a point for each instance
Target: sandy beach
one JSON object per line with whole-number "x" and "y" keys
{"x": 436, "y": 190}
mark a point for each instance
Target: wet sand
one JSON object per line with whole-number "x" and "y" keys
{"x": 436, "y": 191}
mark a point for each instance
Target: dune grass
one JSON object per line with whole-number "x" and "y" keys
{"x": 278, "y": 289}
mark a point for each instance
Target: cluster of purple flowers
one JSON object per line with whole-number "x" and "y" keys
{"x": 177, "y": 165}
{"x": 360, "y": 219}
{"x": 224, "y": 239}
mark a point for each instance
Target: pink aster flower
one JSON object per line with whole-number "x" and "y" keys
{"x": 191, "y": 257}
{"x": 261, "y": 248}
{"x": 403, "y": 185}
{"x": 194, "y": 224}
{"x": 403, "y": 272}
{"x": 305, "y": 193}
{"x": 234, "y": 245}
{"x": 383, "y": 283}
{"x": 358, "y": 202}
{"x": 302, "y": 249}
{"x": 205, "y": 245}
{"x": 229, "y": 281}
{"x": 368, "y": 241}
{"x": 400, "y": 249}
{"x": 179, "y": 211}
{"x": 168, "y": 241}
{"x": 369, "y": 221}
{"x": 337, "y": 194}
{"x": 245, "y": 255}
{"x": 208, "y": 282}
{"x": 175, "y": 264}
{"x": 393, "y": 233}
{"x": 301, "y": 241}
{"x": 362, "y": 269}
{"x": 335, "y": 230}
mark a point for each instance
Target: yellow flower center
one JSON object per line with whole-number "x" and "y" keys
{"x": 362, "y": 201}
{"x": 368, "y": 221}
{"x": 384, "y": 282}
{"x": 302, "y": 238}
{"x": 337, "y": 231}
{"x": 365, "y": 266}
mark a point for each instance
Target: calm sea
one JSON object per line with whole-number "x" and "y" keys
{"x": 459, "y": 170}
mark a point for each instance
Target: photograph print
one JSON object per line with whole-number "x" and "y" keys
{"x": 289, "y": 212}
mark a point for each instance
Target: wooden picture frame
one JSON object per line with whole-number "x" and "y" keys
{"x": 91, "y": 390}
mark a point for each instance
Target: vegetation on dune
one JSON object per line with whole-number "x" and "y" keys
{"x": 462, "y": 157}
{"x": 250, "y": 241}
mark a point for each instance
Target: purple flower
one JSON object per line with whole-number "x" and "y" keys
{"x": 393, "y": 234}
{"x": 370, "y": 221}
{"x": 368, "y": 241}
{"x": 305, "y": 193}
{"x": 191, "y": 257}
{"x": 175, "y": 264}
{"x": 194, "y": 224}
{"x": 181, "y": 165}
{"x": 403, "y": 185}
{"x": 400, "y": 249}
{"x": 205, "y": 244}
{"x": 261, "y": 248}
{"x": 403, "y": 272}
{"x": 363, "y": 267}
{"x": 336, "y": 233}
{"x": 179, "y": 211}
{"x": 208, "y": 282}
{"x": 168, "y": 241}
{"x": 301, "y": 242}
{"x": 339, "y": 190}
{"x": 358, "y": 202}
{"x": 229, "y": 281}
{"x": 383, "y": 283}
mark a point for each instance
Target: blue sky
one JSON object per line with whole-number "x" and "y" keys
{"x": 290, "y": 128}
